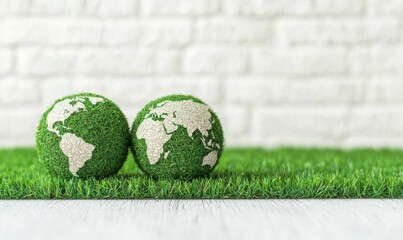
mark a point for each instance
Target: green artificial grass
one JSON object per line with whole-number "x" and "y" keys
{"x": 165, "y": 120}
{"x": 241, "y": 174}
{"x": 94, "y": 134}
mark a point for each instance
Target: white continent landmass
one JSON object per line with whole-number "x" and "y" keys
{"x": 77, "y": 150}
{"x": 154, "y": 134}
{"x": 191, "y": 115}
{"x": 210, "y": 159}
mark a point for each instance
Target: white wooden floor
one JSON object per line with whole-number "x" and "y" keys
{"x": 202, "y": 219}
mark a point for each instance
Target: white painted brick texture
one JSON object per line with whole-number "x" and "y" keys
{"x": 277, "y": 72}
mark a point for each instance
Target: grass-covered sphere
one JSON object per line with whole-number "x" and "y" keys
{"x": 83, "y": 135}
{"x": 177, "y": 136}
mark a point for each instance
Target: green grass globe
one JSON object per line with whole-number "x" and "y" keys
{"x": 83, "y": 135}
{"x": 177, "y": 136}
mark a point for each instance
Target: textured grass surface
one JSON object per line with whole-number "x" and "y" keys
{"x": 242, "y": 173}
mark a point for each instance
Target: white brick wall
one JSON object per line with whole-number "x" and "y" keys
{"x": 278, "y": 72}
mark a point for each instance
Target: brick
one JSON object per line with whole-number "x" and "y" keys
{"x": 124, "y": 91}
{"x": 215, "y": 60}
{"x": 376, "y": 61}
{"x": 45, "y": 62}
{"x": 373, "y": 122}
{"x": 385, "y": 91}
{"x": 180, "y": 7}
{"x": 361, "y": 61}
{"x": 299, "y": 126}
{"x": 18, "y": 92}
{"x": 150, "y": 32}
{"x": 18, "y": 126}
{"x": 208, "y": 89}
{"x": 374, "y": 31}
{"x": 107, "y": 8}
{"x": 96, "y": 62}
{"x": 14, "y": 7}
{"x": 387, "y": 60}
{"x": 267, "y": 8}
{"x": 55, "y": 88}
{"x": 121, "y": 8}
{"x": 386, "y": 7}
{"x": 233, "y": 30}
{"x": 261, "y": 91}
{"x": 234, "y": 119}
{"x": 372, "y": 142}
{"x": 322, "y": 92}
{"x": 143, "y": 90}
{"x": 56, "y": 7}
{"x": 65, "y": 32}
{"x": 166, "y": 62}
{"x": 57, "y": 32}
{"x": 339, "y": 7}
{"x": 300, "y": 62}
{"x": 272, "y": 8}
{"x": 6, "y": 61}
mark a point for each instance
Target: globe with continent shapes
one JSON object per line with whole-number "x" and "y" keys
{"x": 83, "y": 135}
{"x": 177, "y": 136}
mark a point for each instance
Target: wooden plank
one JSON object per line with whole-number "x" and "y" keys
{"x": 202, "y": 219}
